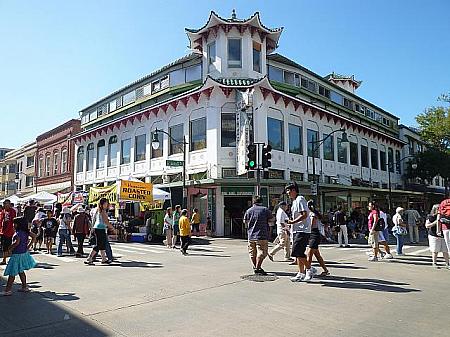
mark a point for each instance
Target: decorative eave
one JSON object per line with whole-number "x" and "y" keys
{"x": 215, "y": 22}
{"x": 335, "y": 78}
{"x": 308, "y": 108}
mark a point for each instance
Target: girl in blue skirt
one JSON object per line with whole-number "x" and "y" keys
{"x": 20, "y": 259}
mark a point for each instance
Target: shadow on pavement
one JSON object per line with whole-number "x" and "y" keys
{"x": 345, "y": 265}
{"x": 39, "y": 314}
{"x": 365, "y": 284}
{"x": 44, "y": 265}
{"x": 210, "y": 255}
{"x": 205, "y": 250}
{"x": 136, "y": 264}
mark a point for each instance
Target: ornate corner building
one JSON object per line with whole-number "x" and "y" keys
{"x": 233, "y": 75}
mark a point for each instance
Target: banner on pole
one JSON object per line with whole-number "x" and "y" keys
{"x": 136, "y": 191}
{"x": 108, "y": 192}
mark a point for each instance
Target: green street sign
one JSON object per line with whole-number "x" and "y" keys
{"x": 174, "y": 163}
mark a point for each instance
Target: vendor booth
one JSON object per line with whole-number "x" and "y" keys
{"x": 136, "y": 209}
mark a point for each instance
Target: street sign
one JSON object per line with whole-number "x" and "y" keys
{"x": 314, "y": 189}
{"x": 174, "y": 163}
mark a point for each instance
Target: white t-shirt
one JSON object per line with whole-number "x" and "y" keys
{"x": 168, "y": 221}
{"x": 282, "y": 218}
{"x": 384, "y": 217}
{"x": 300, "y": 205}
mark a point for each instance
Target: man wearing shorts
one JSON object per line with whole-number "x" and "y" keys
{"x": 7, "y": 231}
{"x": 301, "y": 229}
{"x": 256, "y": 219}
{"x": 374, "y": 215}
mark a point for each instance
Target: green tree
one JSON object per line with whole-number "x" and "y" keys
{"x": 434, "y": 126}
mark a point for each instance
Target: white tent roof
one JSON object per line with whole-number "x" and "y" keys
{"x": 13, "y": 198}
{"x": 42, "y": 197}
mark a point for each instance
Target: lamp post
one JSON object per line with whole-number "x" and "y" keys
{"x": 316, "y": 146}
{"x": 389, "y": 166}
{"x": 156, "y": 145}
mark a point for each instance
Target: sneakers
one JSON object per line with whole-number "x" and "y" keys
{"x": 260, "y": 271}
{"x": 388, "y": 257}
{"x": 298, "y": 278}
{"x": 373, "y": 259}
{"x": 309, "y": 276}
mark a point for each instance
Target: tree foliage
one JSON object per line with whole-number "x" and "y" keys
{"x": 429, "y": 163}
{"x": 434, "y": 126}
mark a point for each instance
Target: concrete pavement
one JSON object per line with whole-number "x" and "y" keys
{"x": 154, "y": 291}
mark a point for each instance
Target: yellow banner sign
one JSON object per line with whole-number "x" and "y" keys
{"x": 136, "y": 191}
{"x": 108, "y": 192}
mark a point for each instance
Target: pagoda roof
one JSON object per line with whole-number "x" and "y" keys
{"x": 215, "y": 21}
{"x": 333, "y": 76}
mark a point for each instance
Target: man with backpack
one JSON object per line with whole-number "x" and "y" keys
{"x": 444, "y": 221}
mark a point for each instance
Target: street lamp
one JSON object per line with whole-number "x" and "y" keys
{"x": 156, "y": 144}
{"x": 391, "y": 165}
{"x": 316, "y": 146}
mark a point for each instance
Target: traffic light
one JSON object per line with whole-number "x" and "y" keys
{"x": 251, "y": 157}
{"x": 266, "y": 156}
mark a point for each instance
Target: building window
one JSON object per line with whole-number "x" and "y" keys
{"x": 90, "y": 157}
{"x": 397, "y": 162}
{"x": 342, "y": 151}
{"x": 140, "y": 143}
{"x": 257, "y": 56}
{"x": 348, "y": 103}
{"x": 194, "y": 73}
{"x": 275, "y": 74}
{"x": 64, "y": 161}
{"x": 30, "y": 161}
{"x": 228, "y": 129}
{"x": 354, "y": 160}
{"x": 391, "y": 159}
{"x": 383, "y": 160}
{"x": 55, "y": 163}
{"x": 211, "y": 55}
{"x": 289, "y": 78}
{"x": 308, "y": 84}
{"x": 112, "y": 151}
{"x": 176, "y": 144}
{"x": 80, "y": 159}
{"x": 47, "y": 165}
{"x": 198, "y": 134}
{"x": 364, "y": 156}
{"x": 336, "y": 98}
{"x": 328, "y": 147}
{"x": 312, "y": 137}
{"x": 101, "y": 154}
{"x": 374, "y": 158}
{"x": 234, "y": 53}
{"x": 29, "y": 181}
{"x": 41, "y": 165}
{"x": 324, "y": 91}
{"x": 295, "y": 139}
{"x": 125, "y": 151}
{"x": 129, "y": 98}
{"x": 159, "y": 151}
{"x": 275, "y": 133}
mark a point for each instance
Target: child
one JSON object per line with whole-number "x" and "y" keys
{"x": 50, "y": 226}
{"x": 21, "y": 259}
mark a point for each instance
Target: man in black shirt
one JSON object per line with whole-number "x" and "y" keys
{"x": 340, "y": 220}
{"x": 30, "y": 211}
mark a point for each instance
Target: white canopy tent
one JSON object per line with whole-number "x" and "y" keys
{"x": 13, "y": 198}
{"x": 41, "y": 197}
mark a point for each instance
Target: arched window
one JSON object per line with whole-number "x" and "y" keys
{"x": 55, "y": 163}
{"x": 41, "y": 167}
{"x": 64, "y": 161}
{"x": 90, "y": 157}
{"x": 112, "y": 151}
{"x": 80, "y": 159}
{"x": 101, "y": 154}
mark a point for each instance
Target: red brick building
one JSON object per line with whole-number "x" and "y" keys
{"x": 55, "y": 158}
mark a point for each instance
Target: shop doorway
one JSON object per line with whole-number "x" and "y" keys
{"x": 234, "y": 211}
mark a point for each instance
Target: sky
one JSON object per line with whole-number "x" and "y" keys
{"x": 57, "y": 57}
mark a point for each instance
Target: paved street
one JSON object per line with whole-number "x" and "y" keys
{"x": 154, "y": 291}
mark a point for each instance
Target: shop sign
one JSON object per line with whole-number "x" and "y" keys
{"x": 64, "y": 198}
{"x": 151, "y": 206}
{"x": 108, "y": 192}
{"x": 237, "y": 190}
{"x": 174, "y": 163}
{"x": 136, "y": 191}
{"x": 78, "y": 197}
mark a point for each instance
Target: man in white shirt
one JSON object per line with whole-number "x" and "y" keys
{"x": 383, "y": 236}
{"x": 284, "y": 241}
{"x": 301, "y": 228}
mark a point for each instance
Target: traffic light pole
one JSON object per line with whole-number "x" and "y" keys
{"x": 258, "y": 156}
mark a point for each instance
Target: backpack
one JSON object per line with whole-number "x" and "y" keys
{"x": 444, "y": 211}
{"x": 380, "y": 224}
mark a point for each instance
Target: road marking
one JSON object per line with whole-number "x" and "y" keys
{"x": 147, "y": 250}
{"x": 127, "y": 251}
{"x": 327, "y": 248}
{"x": 60, "y": 258}
{"x": 417, "y": 252}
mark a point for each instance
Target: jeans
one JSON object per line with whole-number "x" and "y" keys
{"x": 64, "y": 237}
{"x": 185, "y": 240}
{"x": 80, "y": 239}
{"x": 400, "y": 241}
{"x": 413, "y": 230}
{"x": 344, "y": 233}
{"x": 108, "y": 249}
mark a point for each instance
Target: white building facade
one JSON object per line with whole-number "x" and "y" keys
{"x": 195, "y": 99}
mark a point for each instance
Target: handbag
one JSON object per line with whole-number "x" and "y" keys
{"x": 399, "y": 230}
